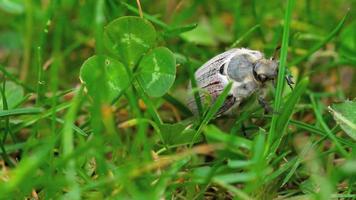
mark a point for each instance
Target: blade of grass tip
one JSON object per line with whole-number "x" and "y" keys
{"x": 212, "y": 111}
{"x": 328, "y": 132}
{"x": 281, "y": 71}
{"x": 320, "y": 44}
{"x": 181, "y": 107}
{"x": 193, "y": 83}
{"x": 247, "y": 33}
{"x": 287, "y": 111}
{"x": 68, "y": 144}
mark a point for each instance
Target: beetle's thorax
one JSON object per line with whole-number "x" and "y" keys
{"x": 249, "y": 71}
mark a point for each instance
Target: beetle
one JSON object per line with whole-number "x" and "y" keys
{"x": 248, "y": 70}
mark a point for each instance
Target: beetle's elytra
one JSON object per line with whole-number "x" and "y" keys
{"x": 248, "y": 69}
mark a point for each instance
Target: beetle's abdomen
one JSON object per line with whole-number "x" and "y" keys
{"x": 209, "y": 90}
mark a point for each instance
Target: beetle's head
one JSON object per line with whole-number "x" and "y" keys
{"x": 265, "y": 70}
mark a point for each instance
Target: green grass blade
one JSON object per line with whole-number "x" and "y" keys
{"x": 20, "y": 111}
{"x": 68, "y": 145}
{"x": 288, "y": 107}
{"x": 287, "y": 111}
{"x": 67, "y": 135}
{"x": 281, "y": 72}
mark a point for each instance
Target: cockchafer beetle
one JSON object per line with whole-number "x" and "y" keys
{"x": 248, "y": 70}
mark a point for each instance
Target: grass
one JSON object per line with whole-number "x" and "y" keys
{"x": 59, "y": 142}
{"x": 273, "y": 134}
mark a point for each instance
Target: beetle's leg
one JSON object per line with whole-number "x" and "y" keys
{"x": 229, "y": 103}
{"x": 262, "y": 101}
{"x": 290, "y": 82}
